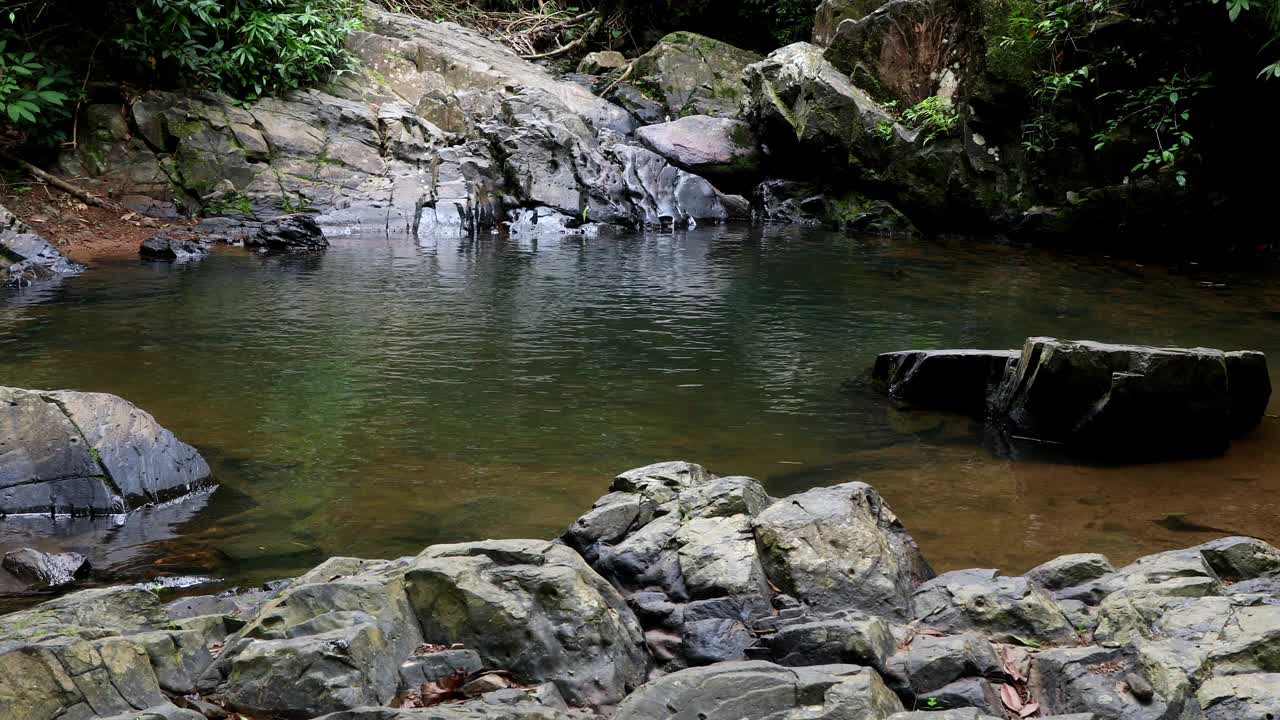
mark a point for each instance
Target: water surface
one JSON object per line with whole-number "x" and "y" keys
{"x": 390, "y": 394}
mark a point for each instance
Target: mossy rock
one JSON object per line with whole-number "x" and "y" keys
{"x": 690, "y": 74}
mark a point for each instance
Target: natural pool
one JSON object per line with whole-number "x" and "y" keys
{"x": 390, "y": 394}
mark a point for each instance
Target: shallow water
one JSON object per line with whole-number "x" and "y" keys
{"x": 390, "y": 394}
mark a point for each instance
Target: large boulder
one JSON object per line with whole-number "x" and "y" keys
{"x": 841, "y": 547}
{"x": 1131, "y": 401}
{"x": 45, "y": 570}
{"x": 75, "y": 452}
{"x": 169, "y": 247}
{"x": 763, "y": 691}
{"x": 689, "y": 74}
{"x": 956, "y": 380}
{"x": 289, "y": 232}
{"x": 833, "y": 12}
{"x": 667, "y": 196}
{"x": 534, "y": 608}
{"x": 705, "y": 145}
{"x": 25, "y": 256}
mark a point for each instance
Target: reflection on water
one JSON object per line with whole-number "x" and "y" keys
{"x": 386, "y": 395}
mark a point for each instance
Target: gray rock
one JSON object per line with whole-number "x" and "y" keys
{"x": 970, "y": 692}
{"x": 833, "y": 12}
{"x": 762, "y": 691}
{"x": 956, "y": 380}
{"x": 1006, "y": 609}
{"x": 828, "y": 642}
{"x": 714, "y": 640}
{"x": 1122, "y": 400}
{"x": 45, "y": 570}
{"x": 438, "y": 665}
{"x": 930, "y": 663}
{"x": 534, "y": 608}
{"x": 1069, "y": 571}
{"x": 594, "y": 63}
{"x": 705, "y": 145}
{"x": 25, "y": 256}
{"x": 165, "y": 247}
{"x": 472, "y": 710}
{"x": 666, "y": 196}
{"x": 841, "y": 547}
{"x": 1241, "y": 697}
{"x": 689, "y": 74}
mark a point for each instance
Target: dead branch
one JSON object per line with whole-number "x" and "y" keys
{"x": 66, "y": 187}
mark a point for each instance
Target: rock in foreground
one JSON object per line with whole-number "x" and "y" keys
{"x": 1119, "y": 401}
{"x": 666, "y": 600}
{"x": 88, "y": 453}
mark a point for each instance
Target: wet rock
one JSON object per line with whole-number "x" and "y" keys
{"x": 25, "y": 256}
{"x": 1007, "y": 609}
{"x": 1122, "y": 400}
{"x": 667, "y": 196}
{"x": 594, "y": 63}
{"x": 689, "y": 74}
{"x": 710, "y": 146}
{"x": 1069, "y": 571}
{"x": 533, "y": 608}
{"x": 45, "y": 570}
{"x": 291, "y": 232}
{"x": 762, "y": 690}
{"x": 166, "y": 247}
{"x": 956, "y": 380}
{"x": 81, "y": 453}
{"x": 841, "y": 547}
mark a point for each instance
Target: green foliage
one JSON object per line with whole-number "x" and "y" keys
{"x": 246, "y": 48}
{"x": 1163, "y": 110}
{"x": 1272, "y": 10}
{"x": 30, "y": 91}
{"x": 933, "y": 116}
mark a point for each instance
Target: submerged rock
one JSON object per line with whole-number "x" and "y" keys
{"x": 81, "y": 453}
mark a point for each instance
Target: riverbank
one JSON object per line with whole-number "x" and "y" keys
{"x": 678, "y": 593}
{"x": 81, "y": 232}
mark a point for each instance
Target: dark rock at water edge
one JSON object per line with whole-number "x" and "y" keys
{"x": 45, "y": 570}
{"x": 1119, "y": 401}
{"x": 88, "y": 453}
{"x": 290, "y": 232}
{"x": 25, "y": 257}
{"x": 167, "y": 247}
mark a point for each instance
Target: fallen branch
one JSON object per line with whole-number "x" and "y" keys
{"x": 66, "y": 187}
{"x": 582, "y": 40}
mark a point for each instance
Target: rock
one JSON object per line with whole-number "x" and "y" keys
{"x": 291, "y": 232}
{"x": 953, "y": 714}
{"x": 828, "y": 642}
{"x": 25, "y": 256}
{"x": 477, "y": 709}
{"x": 667, "y": 196}
{"x": 486, "y": 683}
{"x": 930, "y": 663}
{"x": 533, "y": 608}
{"x": 45, "y": 570}
{"x": 1241, "y": 697}
{"x": 594, "y": 63}
{"x": 1069, "y": 571}
{"x": 841, "y": 547}
{"x": 333, "y": 639}
{"x": 436, "y": 666}
{"x": 1092, "y": 680}
{"x": 971, "y": 692}
{"x": 1006, "y": 609}
{"x": 905, "y": 67}
{"x": 1249, "y": 386}
{"x": 956, "y": 380}
{"x": 710, "y": 146}
{"x": 165, "y": 247}
{"x": 689, "y": 74}
{"x": 1123, "y": 401}
{"x": 762, "y": 691}
{"x": 833, "y": 12}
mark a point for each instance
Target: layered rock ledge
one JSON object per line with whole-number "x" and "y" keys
{"x": 680, "y": 594}
{"x": 1123, "y": 401}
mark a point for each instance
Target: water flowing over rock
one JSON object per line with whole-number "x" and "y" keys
{"x": 25, "y": 256}
{"x": 82, "y": 453}
{"x": 1120, "y": 401}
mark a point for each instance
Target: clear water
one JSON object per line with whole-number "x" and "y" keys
{"x": 389, "y": 394}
